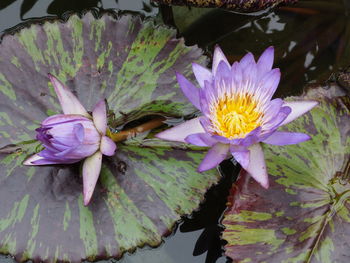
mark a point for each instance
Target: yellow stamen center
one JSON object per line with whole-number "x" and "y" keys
{"x": 235, "y": 116}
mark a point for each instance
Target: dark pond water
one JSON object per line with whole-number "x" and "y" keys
{"x": 311, "y": 42}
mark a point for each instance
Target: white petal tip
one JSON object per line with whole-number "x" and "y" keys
{"x": 86, "y": 200}
{"x": 28, "y": 162}
{"x": 31, "y": 159}
{"x": 69, "y": 102}
{"x": 265, "y": 184}
{"x": 298, "y": 108}
{"x": 261, "y": 179}
{"x": 163, "y": 136}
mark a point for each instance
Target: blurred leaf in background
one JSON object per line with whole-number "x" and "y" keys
{"x": 236, "y": 5}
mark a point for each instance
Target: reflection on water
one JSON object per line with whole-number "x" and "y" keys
{"x": 310, "y": 40}
{"x": 13, "y": 12}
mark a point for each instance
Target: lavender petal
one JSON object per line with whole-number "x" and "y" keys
{"x": 272, "y": 109}
{"x": 286, "y": 138}
{"x": 69, "y": 102}
{"x": 202, "y": 74}
{"x": 214, "y": 157}
{"x": 246, "y": 60}
{"x": 277, "y": 121}
{"x": 257, "y": 167}
{"x": 217, "y": 58}
{"x": 265, "y": 62}
{"x": 189, "y": 90}
{"x": 242, "y": 157}
{"x": 201, "y": 139}
{"x": 91, "y": 172}
{"x": 180, "y": 132}
{"x": 269, "y": 84}
{"x": 78, "y": 131}
{"x": 298, "y": 108}
{"x": 99, "y": 116}
{"x": 107, "y": 146}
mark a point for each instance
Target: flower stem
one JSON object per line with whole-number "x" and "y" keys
{"x": 133, "y": 132}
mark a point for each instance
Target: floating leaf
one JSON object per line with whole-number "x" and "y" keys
{"x": 305, "y": 214}
{"x": 142, "y": 191}
{"x": 238, "y": 5}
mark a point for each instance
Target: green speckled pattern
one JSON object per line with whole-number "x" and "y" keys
{"x": 305, "y": 214}
{"x": 142, "y": 191}
{"x": 237, "y": 5}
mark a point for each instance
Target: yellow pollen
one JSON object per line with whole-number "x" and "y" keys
{"x": 235, "y": 116}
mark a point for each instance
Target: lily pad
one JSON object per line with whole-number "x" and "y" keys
{"x": 237, "y": 5}
{"x": 142, "y": 191}
{"x": 305, "y": 214}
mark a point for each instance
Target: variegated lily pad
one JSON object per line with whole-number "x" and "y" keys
{"x": 305, "y": 214}
{"x": 142, "y": 191}
{"x": 237, "y": 5}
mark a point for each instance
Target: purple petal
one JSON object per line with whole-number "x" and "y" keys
{"x": 222, "y": 139}
{"x": 78, "y": 131}
{"x": 250, "y": 77}
{"x": 201, "y": 139}
{"x": 269, "y": 84}
{"x": 202, "y": 74}
{"x": 286, "y": 138}
{"x": 69, "y": 103}
{"x": 272, "y": 109}
{"x": 298, "y": 109}
{"x": 223, "y": 71}
{"x": 204, "y": 99}
{"x": 206, "y": 124}
{"x": 237, "y": 74}
{"x": 257, "y": 166}
{"x": 218, "y": 57}
{"x": 214, "y": 157}
{"x": 247, "y": 60}
{"x": 189, "y": 90}
{"x": 66, "y": 154}
{"x": 36, "y": 159}
{"x": 180, "y": 132}
{"x": 265, "y": 61}
{"x": 91, "y": 172}
{"x": 107, "y": 146}
{"x": 277, "y": 121}
{"x": 242, "y": 157}
{"x": 99, "y": 116}
{"x": 251, "y": 138}
{"x": 60, "y": 119}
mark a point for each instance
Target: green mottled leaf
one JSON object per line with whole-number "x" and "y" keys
{"x": 238, "y": 5}
{"x": 144, "y": 189}
{"x": 305, "y": 214}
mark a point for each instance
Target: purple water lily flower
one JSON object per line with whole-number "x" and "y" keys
{"x": 238, "y": 112}
{"x": 73, "y": 136}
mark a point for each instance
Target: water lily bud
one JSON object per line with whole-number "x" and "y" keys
{"x": 67, "y": 138}
{"x": 73, "y": 136}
